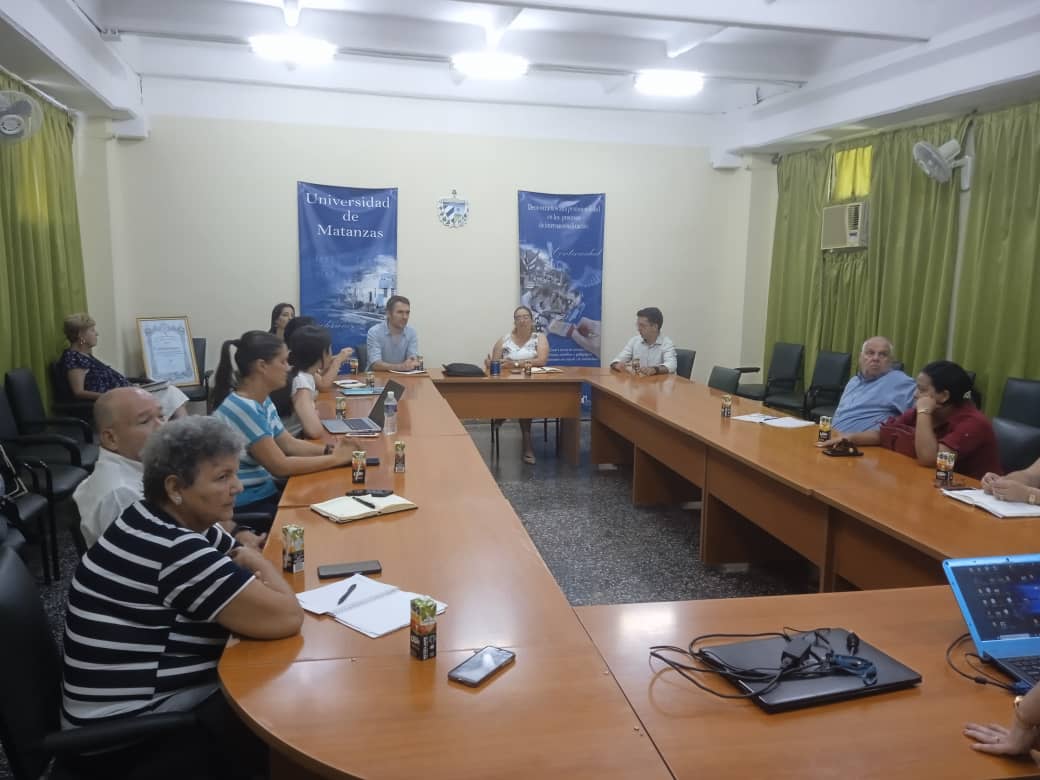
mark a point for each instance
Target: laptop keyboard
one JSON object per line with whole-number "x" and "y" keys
{"x": 1028, "y": 667}
{"x": 358, "y": 425}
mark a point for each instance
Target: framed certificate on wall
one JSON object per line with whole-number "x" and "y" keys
{"x": 169, "y": 354}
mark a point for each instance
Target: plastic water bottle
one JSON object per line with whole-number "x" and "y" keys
{"x": 390, "y": 414}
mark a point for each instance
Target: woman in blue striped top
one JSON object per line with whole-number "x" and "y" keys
{"x": 262, "y": 360}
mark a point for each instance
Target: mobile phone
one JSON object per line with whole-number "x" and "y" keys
{"x": 330, "y": 570}
{"x": 839, "y": 453}
{"x": 371, "y": 461}
{"x": 484, "y": 663}
{"x": 374, "y": 492}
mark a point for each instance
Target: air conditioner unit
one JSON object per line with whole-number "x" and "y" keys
{"x": 844, "y": 226}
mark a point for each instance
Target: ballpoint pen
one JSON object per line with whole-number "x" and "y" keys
{"x": 362, "y": 501}
{"x": 348, "y": 592}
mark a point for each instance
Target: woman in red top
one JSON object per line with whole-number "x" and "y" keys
{"x": 944, "y": 418}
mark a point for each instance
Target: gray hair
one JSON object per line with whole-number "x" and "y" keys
{"x": 177, "y": 448}
{"x": 891, "y": 346}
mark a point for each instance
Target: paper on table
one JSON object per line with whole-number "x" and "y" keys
{"x": 414, "y": 371}
{"x": 757, "y": 417}
{"x": 546, "y": 370}
{"x": 993, "y": 505}
{"x": 787, "y": 422}
{"x": 373, "y": 609}
{"x": 348, "y": 383}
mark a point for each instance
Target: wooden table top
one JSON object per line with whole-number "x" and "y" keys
{"x": 913, "y": 733}
{"x": 568, "y": 374}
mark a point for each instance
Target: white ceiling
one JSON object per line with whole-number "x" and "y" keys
{"x": 755, "y": 54}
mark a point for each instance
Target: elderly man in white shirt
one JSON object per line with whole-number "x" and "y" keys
{"x": 125, "y": 417}
{"x": 655, "y": 353}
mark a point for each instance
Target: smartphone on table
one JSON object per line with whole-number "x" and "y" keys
{"x": 481, "y": 665}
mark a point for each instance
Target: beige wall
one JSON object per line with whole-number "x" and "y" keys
{"x": 202, "y": 220}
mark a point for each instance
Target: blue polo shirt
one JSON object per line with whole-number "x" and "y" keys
{"x": 383, "y": 345}
{"x": 865, "y": 404}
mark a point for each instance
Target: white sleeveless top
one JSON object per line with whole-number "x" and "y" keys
{"x": 510, "y": 350}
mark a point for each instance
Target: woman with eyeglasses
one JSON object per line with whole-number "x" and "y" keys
{"x": 521, "y": 344}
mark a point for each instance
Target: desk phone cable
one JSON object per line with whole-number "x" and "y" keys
{"x": 981, "y": 676}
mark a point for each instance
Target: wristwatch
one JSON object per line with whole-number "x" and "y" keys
{"x": 1018, "y": 714}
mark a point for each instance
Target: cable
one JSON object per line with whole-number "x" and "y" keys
{"x": 981, "y": 676}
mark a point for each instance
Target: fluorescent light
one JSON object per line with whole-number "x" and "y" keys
{"x": 293, "y": 49}
{"x": 489, "y": 65}
{"x": 669, "y": 83}
{"x": 291, "y": 11}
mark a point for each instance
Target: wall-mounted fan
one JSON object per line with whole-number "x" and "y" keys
{"x": 940, "y": 162}
{"x": 20, "y": 116}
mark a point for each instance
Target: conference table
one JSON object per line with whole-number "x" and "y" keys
{"x": 333, "y": 703}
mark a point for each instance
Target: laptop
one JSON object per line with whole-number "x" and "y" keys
{"x": 366, "y": 426}
{"x": 1000, "y": 600}
{"x": 765, "y": 654}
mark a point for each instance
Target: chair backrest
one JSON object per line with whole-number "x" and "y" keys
{"x": 724, "y": 379}
{"x": 785, "y": 367}
{"x": 1019, "y": 443}
{"x": 199, "y": 344}
{"x": 831, "y": 370}
{"x": 24, "y": 395}
{"x": 361, "y": 352}
{"x": 8, "y": 424}
{"x": 60, "y": 382}
{"x": 30, "y": 669}
{"x": 684, "y": 361}
{"x": 1021, "y": 401}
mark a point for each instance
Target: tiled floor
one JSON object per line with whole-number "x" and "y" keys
{"x": 599, "y": 547}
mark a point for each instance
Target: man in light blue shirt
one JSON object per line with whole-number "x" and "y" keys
{"x": 393, "y": 345}
{"x": 876, "y": 393}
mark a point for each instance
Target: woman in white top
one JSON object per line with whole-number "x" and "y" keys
{"x": 515, "y": 348}
{"x": 309, "y": 351}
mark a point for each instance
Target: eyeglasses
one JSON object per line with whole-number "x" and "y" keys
{"x": 519, "y": 317}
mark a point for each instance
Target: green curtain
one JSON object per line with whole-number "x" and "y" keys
{"x": 1000, "y": 278}
{"x": 847, "y": 308}
{"x": 795, "y": 277}
{"x": 41, "y": 259}
{"x": 913, "y": 244}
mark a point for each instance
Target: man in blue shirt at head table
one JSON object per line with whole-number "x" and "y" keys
{"x": 876, "y": 393}
{"x": 393, "y": 345}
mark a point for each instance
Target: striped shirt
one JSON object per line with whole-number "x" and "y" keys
{"x": 254, "y": 421}
{"x": 141, "y": 619}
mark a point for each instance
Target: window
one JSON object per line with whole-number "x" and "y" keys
{"x": 851, "y": 175}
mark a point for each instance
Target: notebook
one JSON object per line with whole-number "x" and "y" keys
{"x": 366, "y": 426}
{"x": 994, "y": 506}
{"x": 346, "y": 509}
{"x": 1000, "y": 600}
{"x": 373, "y": 608}
{"x": 765, "y": 654}
{"x": 774, "y": 421}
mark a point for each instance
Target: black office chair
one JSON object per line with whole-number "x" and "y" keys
{"x": 200, "y": 392}
{"x": 50, "y": 447}
{"x": 785, "y": 372}
{"x": 19, "y": 509}
{"x": 1019, "y": 443}
{"x": 830, "y": 375}
{"x": 30, "y": 691}
{"x": 63, "y": 402}
{"x": 25, "y": 401}
{"x": 1021, "y": 401}
{"x": 684, "y": 362}
{"x": 361, "y": 353}
{"x": 724, "y": 379}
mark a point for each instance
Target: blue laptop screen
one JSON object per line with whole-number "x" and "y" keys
{"x": 1002, "y": 598}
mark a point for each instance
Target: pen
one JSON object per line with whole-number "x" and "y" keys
{"x": 344, "y": 596}
{"x": 362, "y": 501}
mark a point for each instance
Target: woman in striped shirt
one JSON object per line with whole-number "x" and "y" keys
{"x": 153, "y": 602}
{"x": 262, "y": 360}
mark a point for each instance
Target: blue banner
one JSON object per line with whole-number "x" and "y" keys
{"x": 348, "y": 257}
{"x": 561, "y": 272}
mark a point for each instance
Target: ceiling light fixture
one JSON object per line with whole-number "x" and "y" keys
{"x": 669, "y": 83}
{"x": 489, "y": 65}
{"x": 293, "y": 49}
{"x": 291, "y": 11}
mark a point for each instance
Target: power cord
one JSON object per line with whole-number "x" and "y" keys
{"x": 981, "y": 676}
{"x": 805, "y": 655}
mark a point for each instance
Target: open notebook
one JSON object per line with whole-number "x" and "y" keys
{"x": 346, "y": 509}
{"x": 774, "y": 421}
{"x": 374, "y": 608}
{"x": 995, "y": 506}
